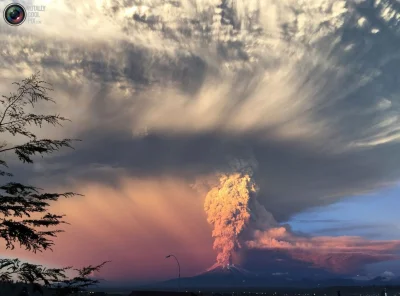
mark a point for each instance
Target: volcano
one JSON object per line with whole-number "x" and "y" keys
{"x": 228, "y": 275}
{"x": 223, "y": 277}
{"x": 231, "y": 270}
{"x": 216, "y": 277}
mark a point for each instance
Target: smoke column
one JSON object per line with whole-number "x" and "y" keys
{"x": 228, "y": 210}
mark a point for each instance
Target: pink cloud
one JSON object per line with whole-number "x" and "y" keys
{"x": 339, "y": 254}
{"x": 134, "y": 225}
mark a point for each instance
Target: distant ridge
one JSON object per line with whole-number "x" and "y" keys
{"x": 234, "y": 276}
{"x": 161, "y": 293}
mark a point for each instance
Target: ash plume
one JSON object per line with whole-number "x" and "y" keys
{"x": 228, "y": 209}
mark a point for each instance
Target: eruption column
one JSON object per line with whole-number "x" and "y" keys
{"x": 228, "y": 211}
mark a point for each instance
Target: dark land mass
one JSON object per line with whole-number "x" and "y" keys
{"x": 239, "y": 279}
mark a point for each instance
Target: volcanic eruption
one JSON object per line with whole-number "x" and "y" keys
{"x": 228, "y": 210}
{"x": 240, "y": 221}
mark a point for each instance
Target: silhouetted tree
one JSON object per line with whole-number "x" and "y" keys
{"x": 18, "y": 202}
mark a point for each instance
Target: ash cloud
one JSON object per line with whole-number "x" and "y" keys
{"x": 156, "y": 88}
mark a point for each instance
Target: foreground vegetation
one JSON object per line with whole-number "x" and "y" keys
{"x": 19, "y": 202}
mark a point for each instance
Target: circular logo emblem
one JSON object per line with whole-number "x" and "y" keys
{"x": 14, "y": 14}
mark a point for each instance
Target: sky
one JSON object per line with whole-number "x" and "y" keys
{"x": 188, "y": 110}
{"x": 373, "y": 216}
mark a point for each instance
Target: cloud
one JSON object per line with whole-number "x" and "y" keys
{"x": 167, "y": 89}
{"x": 388, "y": 274}
{"x": 340, "y": 254}
{"x": 280, "y": 273}
{"x": 303, "y": 112}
